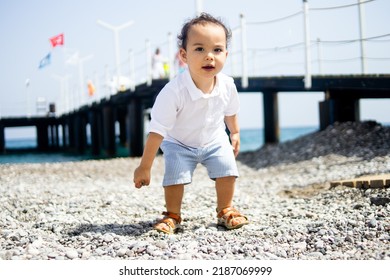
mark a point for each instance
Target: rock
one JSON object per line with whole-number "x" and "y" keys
{"x": 121, "y": 252}
{"x": 72, "y": 254}
{"x": 300, "y": 246}
{"x": 379, "y": 201}
{"x": 372, "y": 223}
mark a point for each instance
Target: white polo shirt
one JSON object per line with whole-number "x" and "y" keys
{"x": 184, "y": 114}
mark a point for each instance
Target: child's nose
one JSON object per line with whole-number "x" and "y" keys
{"x": 209, "y": 56}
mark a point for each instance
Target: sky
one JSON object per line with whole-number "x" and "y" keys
{"x": 275, "y": 36}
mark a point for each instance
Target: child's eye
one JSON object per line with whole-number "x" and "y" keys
{"x": 199, "y": 49}
{"x": 218, "y": 50}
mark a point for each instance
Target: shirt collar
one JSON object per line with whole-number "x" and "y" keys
{"x": 196, "y": 93}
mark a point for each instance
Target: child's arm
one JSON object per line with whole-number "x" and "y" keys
{"x": 142, "y": 172}
{"x": 234, "y": 128}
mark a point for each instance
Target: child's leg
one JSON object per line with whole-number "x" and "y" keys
{"x": 225, "y": 191}
{"x": 173, "y": 200}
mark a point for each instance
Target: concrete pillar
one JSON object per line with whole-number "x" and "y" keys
{"x": 95, "y": 121}
{"x": 42, "y": 137}
{"x": 2, "y": 140}
{"x": 109, "y": 138}
{"x": 54, "y": 139}
{"x": 65, "y": 135}
{"x": 136, "y": 129}
{"x": 71, "y": 132}
{"x": 81, "y": 133}
{"x": 271, "y": 117}
{"x": 122, "y": 128}
{"x": 338, "y": 110}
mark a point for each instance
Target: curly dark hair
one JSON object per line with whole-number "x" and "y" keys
{"x": 202, "y": 19}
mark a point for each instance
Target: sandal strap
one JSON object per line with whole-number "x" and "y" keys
{"x": 230, "y": 213}
{"x": 170, "y": 215}
{"x": 227, "y": 215}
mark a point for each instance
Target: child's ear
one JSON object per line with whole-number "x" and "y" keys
{"x": 183, "y": 55}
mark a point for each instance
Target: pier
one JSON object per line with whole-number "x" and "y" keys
{"x": 126, "y": 113}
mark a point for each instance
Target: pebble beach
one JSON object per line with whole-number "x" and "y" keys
{"x": 90, "y": 209}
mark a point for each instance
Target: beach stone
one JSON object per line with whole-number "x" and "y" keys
{"x": 72, "y": 254}
{"x": 52, "y": 255}
{"x": 86, "y": 209}
{"x": 300, "y": 246}
{"x": 85, "y": 255}
{"x": 315, "y": 255}
{"x": 108, "y": 238}
{"x": 372, "y": 223}
{"x": 161, "y": 244}
{"x": 33, "y": 251}
{"x": 121, "y": 252}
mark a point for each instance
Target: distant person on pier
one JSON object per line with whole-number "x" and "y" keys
{"x": 188, "y": 123}
{"x": 158, "y": 65}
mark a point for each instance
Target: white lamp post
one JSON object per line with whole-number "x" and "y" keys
{"x": 244, "y": 77}
{"x": 198, "y": 7}
{"x": 116, "y": 30}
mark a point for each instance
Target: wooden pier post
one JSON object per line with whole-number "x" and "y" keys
{"x": 271, "y": 117}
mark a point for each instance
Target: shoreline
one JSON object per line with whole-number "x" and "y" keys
{"x": 91, "y": 210}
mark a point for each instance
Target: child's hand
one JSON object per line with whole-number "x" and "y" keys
{"x": 235, "y": 139}
{"x": 141, "y": 177}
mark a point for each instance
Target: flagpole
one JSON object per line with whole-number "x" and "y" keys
{"x": 28, "y": 105}
{"x": 81, "y": 77}
{"x": 64, "y": 95}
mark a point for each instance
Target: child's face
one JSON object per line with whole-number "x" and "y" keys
{"x": 205, "y": 52}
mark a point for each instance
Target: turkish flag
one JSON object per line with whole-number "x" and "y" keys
{"x": 57, "y": 40}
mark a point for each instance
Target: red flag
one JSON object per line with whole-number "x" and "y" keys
{"x": 57, "y": 40}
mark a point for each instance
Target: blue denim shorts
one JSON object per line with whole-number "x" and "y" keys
{"x": 181, "y": 161}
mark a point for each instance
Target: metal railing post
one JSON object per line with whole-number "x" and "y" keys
{"x": 148, "y": 63}
{"x": 307, "y": 45}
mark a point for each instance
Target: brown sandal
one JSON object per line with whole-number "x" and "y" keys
{"x": 167, "y": 220}
{"x": 227, "y": 215}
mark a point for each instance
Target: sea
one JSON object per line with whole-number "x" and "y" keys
{"x": 22, "y": 150}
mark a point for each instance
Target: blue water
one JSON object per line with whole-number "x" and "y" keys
{"x": 251, "y": 139}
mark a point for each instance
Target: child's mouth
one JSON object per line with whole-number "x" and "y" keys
{"x": 208, "y": 67}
